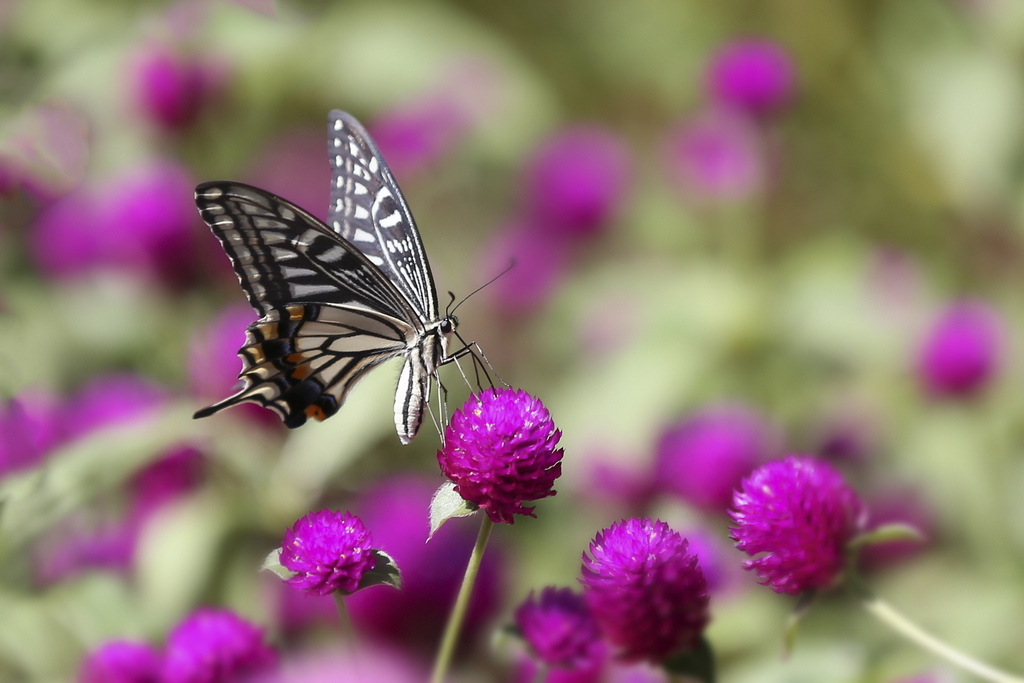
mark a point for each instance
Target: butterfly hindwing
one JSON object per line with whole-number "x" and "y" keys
{"x": 368, "y": 209}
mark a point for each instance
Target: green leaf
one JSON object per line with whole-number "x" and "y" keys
{"x": 447, "y": 504}
{"x": 272, "y": 563}
{"x": 385, "y": 572}
{"x": 887, "y": 533}
{"x": 698, "y": 663}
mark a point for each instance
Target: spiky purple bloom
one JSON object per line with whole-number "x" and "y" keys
{"x": 500, "y": 450}
{"x": 962, "y": 351}
{"x": 645, "y": 589}
{"x": 796, "y": 517}
{"x": 560, "y": 630}
{"x": 215, "y": 646}
{"x": 170, "y": 88}
{"x": 414, "y": 617}
{"x": 717, "y": 157}
{"x": 329, "y": 551}
{"x": 577, "y": 179}
{"x": 703, "y": 457}
{"x": 121, "y": 661}
{"x": 752, "y": 75}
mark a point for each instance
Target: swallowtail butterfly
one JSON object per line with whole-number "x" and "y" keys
{"x": 334, "y": 300}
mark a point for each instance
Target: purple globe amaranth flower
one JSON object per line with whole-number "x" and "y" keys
{"x": 577, "y": 180}
{"x": 175, "y": 474}
{"x": 717, "y": 157}
{"x": 796, "y": 517}
{"x": 215, "y": 646}
{"x": 329, "y": 551}
{"x": 121, "y": 661}
{"x": 112, "y": 399}
{"x": 414, "y": 136}
{"x": 645, "y": 589}
{"x": 30, "y": 426}
{"x": 962, "y": 351}
{"x": 704, "y": 457}
{"x": 414, "y": 617}
{"x": 68, "y": 237}
{"x": 756, "y": 76}
{"x": 171, "y": 88}
{"x": 500, "y": 450}
{"x": 560, "y": 630}
{"x": 539, "y": 263}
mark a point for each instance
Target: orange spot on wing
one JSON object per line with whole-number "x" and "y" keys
{"x": 316, "y": 412}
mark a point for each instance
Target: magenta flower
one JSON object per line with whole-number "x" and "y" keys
{"x": 645, "y": 589}
{"x": 79, "y": 544}
{"x": 414, "y": 617}
{"x": 170, "y": 88}
{"x": 329, "y": 551}
{"x": 560, "y": 630}
{"x": 717, "y": 157}
{"x": 796, "y": 517}
{"x": 112, "y": 399}
{"x": 215, "y": 646}
{"x": 29, "y": 429}
{"x": 500, "y": 450}
{"x": 415, "y": 136}
{"x": 704, "y": 457}
{"x": 539, "y": 258}
{"x": 121, "y": 661}
{"x": 962, "y": 351}
{"x": 756, "y": 76}
{"x": 175, "y": 474}
{"x": 142, "y": 222}
{"x": 577, "y": 180}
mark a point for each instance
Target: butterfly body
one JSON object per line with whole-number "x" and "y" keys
{"x": 334, "y": 300}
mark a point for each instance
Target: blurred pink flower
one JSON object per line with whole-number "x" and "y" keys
{"x": 142, "y": 221}
{"x": 171, "y": 88}
{"x": 753, "y": 75}
{"x": 903, "y": 507}
{"x": 396, "y": 510}
{"x": 294, "y": 166}
{"x": 368, "y": 662}
{"x": 213, "y": 363}
{"x": 962, "y": 351}
{"x": 414, "y": 136}
{"x": 577, "y": 180}
{"x": 112, "y": 399}
{"x": 30, "y": 426}
{"x": 175, "y": 474}
{"x": 80, "y": 544}
{"x": 539, "y": 263}
{"x": 703, "y": 457}
{"x": 717, "y": 157}
{"x": 297, "y": 612}
{"x": 121, "y": 661}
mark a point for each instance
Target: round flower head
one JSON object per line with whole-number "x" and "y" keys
{"x": 214, "y": 646}
{"x": 560, "y": 629}
{"x": 329, "y": 551}
{"x": 121, "y": 661}
{"x": 645, "y": 589}
{"x": 703, "y": 458}
{"x": 170, "y": 88}
{"x": 578, "y": 179}
{"x": 717, "y": 157}
{"x": 801, "y": 514}
{"x": 752, "y": 75}
{"x": 961, "y": 353}
{"x": 500, "y": 451}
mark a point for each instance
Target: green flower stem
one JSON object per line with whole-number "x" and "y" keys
{"x": 451, "y": 630}
{"x": 347, "y": 630}
{"x": 913, "y": 632}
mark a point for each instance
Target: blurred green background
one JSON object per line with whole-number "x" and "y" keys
{"x": 887, "y": 184}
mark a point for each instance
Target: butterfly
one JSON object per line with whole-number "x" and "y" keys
{"x": 335, "y": 300}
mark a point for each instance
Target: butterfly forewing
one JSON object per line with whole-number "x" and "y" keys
{"x": 368, "y": 210}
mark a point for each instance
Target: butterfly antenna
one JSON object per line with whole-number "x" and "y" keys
{"x": 450, "y": 310}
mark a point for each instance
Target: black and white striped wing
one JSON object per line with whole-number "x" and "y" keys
{"x": 328, "y": 315}
{"x": 368, "y": 210}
